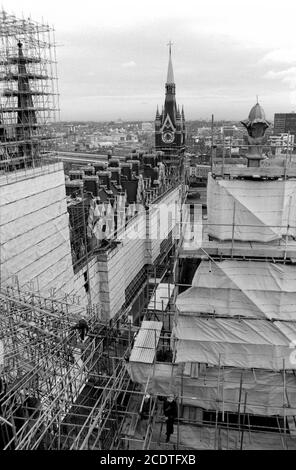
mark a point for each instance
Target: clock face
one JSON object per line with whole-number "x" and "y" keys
{"x": 168, "y": 137}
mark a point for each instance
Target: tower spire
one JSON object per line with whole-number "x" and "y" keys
{"x": 157, "y": 113}
{"x": 169, "y": 128}
{"x": 170, "y": 76}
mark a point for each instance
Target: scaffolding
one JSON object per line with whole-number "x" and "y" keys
{"x": 80, "y": 395}
{"x": 57, "y": 392}
{"x": 221, "y": 422}
{"x": 65, "y": 386}
{"x": 28, "y": 92}
{"x": 52, "y": 378}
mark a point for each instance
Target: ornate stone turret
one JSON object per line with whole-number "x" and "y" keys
{"x": 256, "y": 125}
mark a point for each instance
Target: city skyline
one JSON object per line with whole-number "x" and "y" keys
{"x": 112, "y": 57}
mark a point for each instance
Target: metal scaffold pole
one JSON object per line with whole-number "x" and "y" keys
{"x": 284, "y": 404}
{"x": 212, "y": 143}
{"x": 217, "y": 428}
{"x": 243, "y": 428}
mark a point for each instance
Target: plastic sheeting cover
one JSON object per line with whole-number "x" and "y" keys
{"x": 236, "y": 288}
{"x": 245, "y": 343}
{"x": 161, "y": 297}
{"x": 248, "y": 294}
{"x": 264, "y": 388}
{"x": 259, "y": 210}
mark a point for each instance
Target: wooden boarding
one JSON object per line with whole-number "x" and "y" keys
{"x": 248, "y": 250}
{"x": 260, "y": 172}
{"x": 131, "y": 421}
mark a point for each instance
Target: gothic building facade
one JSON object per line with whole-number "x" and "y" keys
{"x": 170, "y": 131}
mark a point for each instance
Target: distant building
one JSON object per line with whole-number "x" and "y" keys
{"x": 147, "y": 127}
{"x": 281, "y": 143}
{"x": 204, "y": 131}
{"x": 284, "y": 123}
{"x": 228, "y": 131}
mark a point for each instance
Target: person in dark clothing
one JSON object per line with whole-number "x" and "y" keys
{"x": 170, "y": 412}
{"x": 144, "y": 414}
{"x": 82, "y": 328}
{"x": 145, "y": 408}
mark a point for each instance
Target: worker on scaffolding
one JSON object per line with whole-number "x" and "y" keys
{"x": 170, "y": 412}
{"x": 82, "y": 328}
{"x": 144, "y": 414}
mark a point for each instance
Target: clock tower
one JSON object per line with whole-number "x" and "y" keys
{"x": 170, "y": 130}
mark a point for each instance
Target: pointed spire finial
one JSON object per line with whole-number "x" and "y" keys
{"x": 257, "y": 99}
{"x": 157, "y": 113}
{"x": 170, "y": 76}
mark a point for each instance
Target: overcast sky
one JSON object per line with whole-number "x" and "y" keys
{"x": 112, "y": 55}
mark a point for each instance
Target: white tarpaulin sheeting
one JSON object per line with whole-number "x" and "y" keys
{"x": 160, "y": 299}
{"x": 34, "y": 226}
{"x": 248, "y": 294}
{"x": 248, "y": 288}
{"x": 259, "y": 210}
{"x": 264, "y": 388}
{"x": 233, "y": 342}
